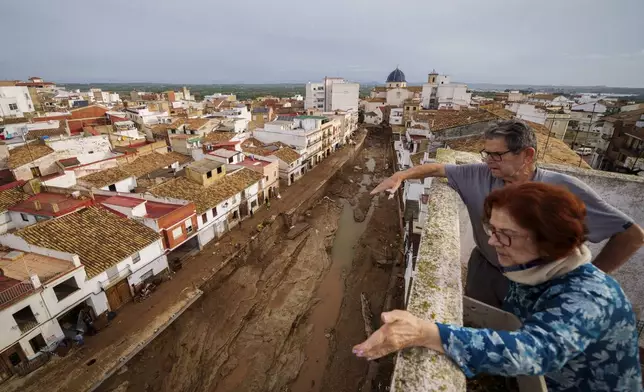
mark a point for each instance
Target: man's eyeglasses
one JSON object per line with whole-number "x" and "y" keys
{"x": 495, "y": 156}
{"x": 503, "y": 238}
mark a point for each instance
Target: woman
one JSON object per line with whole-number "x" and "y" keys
{"x": 578, "y": 326}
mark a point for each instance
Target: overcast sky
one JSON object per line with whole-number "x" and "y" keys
{"x": 572, "y": 42}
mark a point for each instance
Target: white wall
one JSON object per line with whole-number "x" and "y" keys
{"x": 396, "y": 116}
{"x": 66, "y": 180}
{"x": 6, "y": 223}
{"x": 21, "y": 96}
{"x": 87, "y": 149}
{"x": 9, "y": 331}
{"x": 344, "y": 96}
{"x": 396, "y": 96}
{"x": 46, "y": 164}
{"x": 126, "y": 185}
{"x": 18, "y": 222}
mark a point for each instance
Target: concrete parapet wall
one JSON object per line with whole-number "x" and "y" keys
{"x": 625, "y": 192}
{"x": 436, "y": 292}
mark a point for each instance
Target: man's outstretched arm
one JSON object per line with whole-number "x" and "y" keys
{"x": 392, "y": 183}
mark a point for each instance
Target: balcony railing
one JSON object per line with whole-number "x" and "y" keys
{"x": 15, "y": 292}
{"x": 113, "y": 279}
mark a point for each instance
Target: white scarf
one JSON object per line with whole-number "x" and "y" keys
{"x": 537, "y": 272}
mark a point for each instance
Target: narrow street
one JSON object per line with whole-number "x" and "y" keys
{"x": 286, "y": 319}
{"x": 281, "y": 316}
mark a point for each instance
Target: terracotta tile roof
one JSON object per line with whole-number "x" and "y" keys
{"x": 502, "y": 113}
{"x": 206, "y": 198}
{"x": 162, "y": 129}
{"x": 375, "y": 99}
{"x": 12, "y": 196}
{"x": 196, "y": 123}
{"x": 216, "y": 137}
{"x": 28, "y": 153}
{"x": 100, "y": 238}
{"x": 415, "y": 89}
{"x": 105, "y": 177}
{"x": 379, "y": 89}
{"x": 444, "y": 119}
{"x": 154, "y": 161}
{"x": 38, "y": 133}
{"x": 287, "y": 154}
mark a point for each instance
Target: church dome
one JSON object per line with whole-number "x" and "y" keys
{"x": 396, "y": 76}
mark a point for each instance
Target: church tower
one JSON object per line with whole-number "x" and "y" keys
{"x": 396, "y": 79}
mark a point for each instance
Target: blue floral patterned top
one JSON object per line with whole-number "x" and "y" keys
{"x": 579, "y": 331}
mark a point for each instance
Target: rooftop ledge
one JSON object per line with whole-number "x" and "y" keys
{"x": 436, "y": 291}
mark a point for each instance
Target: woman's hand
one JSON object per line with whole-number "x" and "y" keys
{"x": 400, "y": 329}
{"x": 390, "y": 184}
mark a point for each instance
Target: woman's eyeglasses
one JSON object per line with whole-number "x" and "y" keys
{"x": 501, "y": 237}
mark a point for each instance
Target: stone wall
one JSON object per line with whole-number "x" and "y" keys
{"x": 436, "y": 291}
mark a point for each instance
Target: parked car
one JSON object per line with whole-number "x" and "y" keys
{"x": 583, "y": 151}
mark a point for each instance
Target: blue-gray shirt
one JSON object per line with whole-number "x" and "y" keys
{"x": 475, "y": 181}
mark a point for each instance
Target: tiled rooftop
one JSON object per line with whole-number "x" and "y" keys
{"x": 38, "y": 133}
{"x": 209, "y": 197}
{"x": 100, "y": 238}
{"x": 105, "y": 177}
{"x": 12, "y": 195}
{"x": 64, "y": 203}
{"x": 216, "y": 137}
{"x": 29, "y": 152}
{"x": 149, "y": 163}
{"x": 444, "y": 119}
{"x": 287, "y": 154}
{"x": 204, "y": 165}
{"x": 27, "y": 264}
{"x": 162, "y": 129}
{"x": 154, "y": 209}
{"x": 196, "y": 123}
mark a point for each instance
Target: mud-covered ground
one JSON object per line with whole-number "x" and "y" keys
{"x": 285, "y": 318}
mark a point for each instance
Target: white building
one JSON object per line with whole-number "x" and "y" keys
{"x": 586, "y": 123}
{"x": 15, "y": 101}
{"x": 396, "y": 116}
{"x": 440, "y": 93}
{"x": 332, "y": 94}
{"x": 373, "y": 117}
{"x": 45, "y": 288}
{"x": 143, "y": 116}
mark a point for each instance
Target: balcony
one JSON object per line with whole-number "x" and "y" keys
{"x": 113, "y": 279}
{"x": 15, "y": 292}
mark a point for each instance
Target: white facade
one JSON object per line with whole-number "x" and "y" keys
{"x": 87, "y": 149}
{"x": 143, "y": 116}
{"x": 396, "y": 96}
{"x": 440, "y": 93}
{"x": 15, "y": 101}
{"x": 396, "y": 116}
{"x": 374, "y": 117}
{"x": 18, "y": 130}
{"x": 332, "y": 94}
{"x": 528, "y": 112}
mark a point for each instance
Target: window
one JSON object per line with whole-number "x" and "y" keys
{"x": 177, "y": 233}
{"x": 173, "y": 131}
{"x": 204, "y": 217}
{"x": 188, "y": 226}
{"x": 13, "y": 106}
{"x": 112, "y": 187}
{"x": 25, "y": 318}
{"x": 37, "y": 343}
{"x": 230, "y": 160}
{"x": 209, "y": 174}
{"x": 235, "y": 214}
{"x": 214, "y": 211}
{"x": 66, "y": 288}
{"x": 147, "y": 275}
{"x": 136, "y": 257}
{"x": 24, "y": 217}
{"x": 219, "y": 170}
{"x": 266, "y": 178}
{"x": 275, "y": 173}
{"x": 26, "y": 96}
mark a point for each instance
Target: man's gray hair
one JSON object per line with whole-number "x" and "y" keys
{"x": 517, "y": 134}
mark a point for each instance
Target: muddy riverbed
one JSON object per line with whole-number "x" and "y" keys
{"x": 285, "y": 318}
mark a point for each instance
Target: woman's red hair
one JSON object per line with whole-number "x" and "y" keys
{"x": 552, "y": 213}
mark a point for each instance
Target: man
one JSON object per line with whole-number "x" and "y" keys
{"x": 510, "y": 155}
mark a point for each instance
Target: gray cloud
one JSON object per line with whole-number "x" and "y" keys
{"x": 584, "y": 42}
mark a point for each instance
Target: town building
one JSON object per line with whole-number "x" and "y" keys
{"x": 175, "y": 220}
{"x": 332, "y": 94}
{"x": 15, "y": 100}
{"x": 222, "y": 199}
{"x": 10, "y": 195}
{"x": 373, "y": 117}
{"x": 440, "y": 93}
{"x": 621, "y": 146}
{"x": 396, "y": 91}
{"x": 44, "y": 206}
{"x": 262, "y": 115}
{"x": 585, "y": 126}
{"x": 143, "y": 116}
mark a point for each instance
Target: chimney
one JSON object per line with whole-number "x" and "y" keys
{"x": 54, "y": 207}
{"x": 37, "y": 205}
